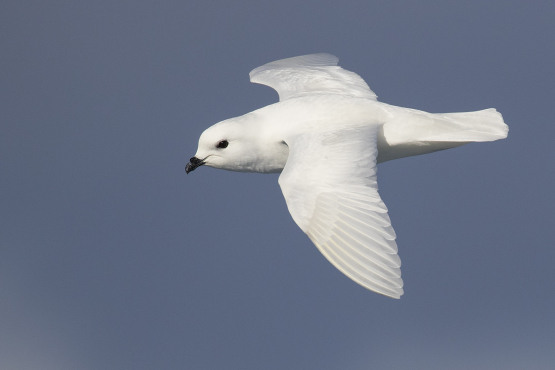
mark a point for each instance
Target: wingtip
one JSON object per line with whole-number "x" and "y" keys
{"x": 309, "y": 60}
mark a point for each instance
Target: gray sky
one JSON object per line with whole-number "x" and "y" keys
{"x": 112, "y": 258}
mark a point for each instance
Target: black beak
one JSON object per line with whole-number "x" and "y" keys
{"x": 193, "y": 164}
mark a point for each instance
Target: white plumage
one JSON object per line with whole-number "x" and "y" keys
{"x": 326, "y": 136}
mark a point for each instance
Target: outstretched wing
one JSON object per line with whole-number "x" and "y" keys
{"x": 329, "y": 184}
{"x": 310, "y": 74}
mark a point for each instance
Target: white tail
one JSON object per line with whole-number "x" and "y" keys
{"x": 412, "y": 132}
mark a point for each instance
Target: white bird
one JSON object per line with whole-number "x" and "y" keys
{"x": 326, "y": 135}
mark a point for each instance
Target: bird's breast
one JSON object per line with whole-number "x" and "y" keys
{"x": 273, "y": 158}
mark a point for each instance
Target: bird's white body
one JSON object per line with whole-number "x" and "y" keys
{"x": 326, "y": 136}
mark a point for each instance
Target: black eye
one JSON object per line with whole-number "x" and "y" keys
{"x": 222, "y": 144}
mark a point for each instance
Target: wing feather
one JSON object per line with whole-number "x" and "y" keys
{"x": 310, "y": 74}
{"x": 331, "y": 191}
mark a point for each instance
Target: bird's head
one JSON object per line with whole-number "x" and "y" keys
{"x": 239, "y": 144}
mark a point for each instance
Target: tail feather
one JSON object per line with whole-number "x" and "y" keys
{"x": 413, "y": 132}
{"x": 483, "y": 125}
{"x": 411, "y": 126}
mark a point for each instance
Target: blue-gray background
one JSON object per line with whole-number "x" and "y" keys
{"x": 112, "y": 258}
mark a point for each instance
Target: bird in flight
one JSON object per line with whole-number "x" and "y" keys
{"x": 326, "y": 135}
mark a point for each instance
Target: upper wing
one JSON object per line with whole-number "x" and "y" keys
{"x": 310, "y": 74}
{"x": 329, "y": 184}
